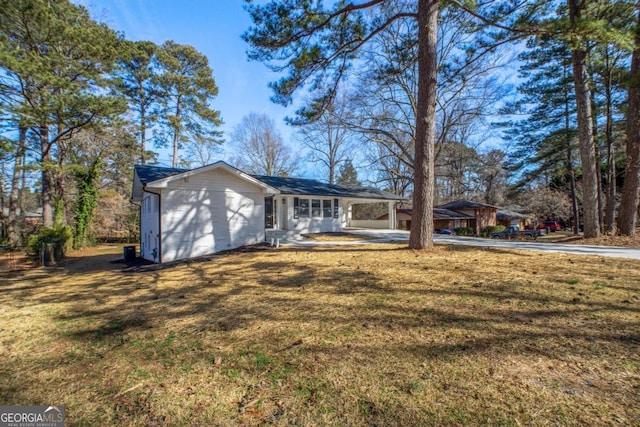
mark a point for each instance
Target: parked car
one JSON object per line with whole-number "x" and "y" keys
{"x": 553, "y": 226}
{"x": 445, "y": 231}
{"x": 514, "y": 232}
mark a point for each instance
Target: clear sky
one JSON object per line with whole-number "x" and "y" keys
{"x": 213, "y": 27}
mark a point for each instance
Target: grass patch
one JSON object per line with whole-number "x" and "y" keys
{"x": 364, "y": 335}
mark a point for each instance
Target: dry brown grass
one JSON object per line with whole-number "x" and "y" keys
{"x": 338, "y": 236}
{"x": 603, "y": 240}
{"x": 366, "y": 335}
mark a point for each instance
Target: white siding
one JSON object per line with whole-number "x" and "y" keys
{"x": 149, "y": 227}
{"x": 208, "y": 213}
{"x": 304, "y": 225}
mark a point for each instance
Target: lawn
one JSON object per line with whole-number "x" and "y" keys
{"x": 350, "y": 336}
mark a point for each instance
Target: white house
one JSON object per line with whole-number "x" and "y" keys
{"x": 190, "y": 213}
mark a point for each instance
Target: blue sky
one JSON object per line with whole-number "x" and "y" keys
{"x": 214, "y": 28}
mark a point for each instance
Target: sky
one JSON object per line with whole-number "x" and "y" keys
{"x": 214, "y": 28}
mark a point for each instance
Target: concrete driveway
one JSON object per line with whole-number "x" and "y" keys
{"x": 401, "y": 235}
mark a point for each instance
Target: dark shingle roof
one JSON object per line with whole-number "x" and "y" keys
{"x": 437, "y": 214}
{"x": 292, "y": 186}
{"x": 465, "y": 204}
{"x": 148, "y": 173}
{"x": 440, "y": 213}
{"x": 505, "y": 214}
{"x": 310, "y": 187}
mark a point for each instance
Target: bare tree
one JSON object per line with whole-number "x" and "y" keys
{"x": 329, "y": 138}
{"x": 387, "y": 102}
{"x": 260, "y": 148}
{"x": 547, "y": 204}
{"x": 201, "y": 151}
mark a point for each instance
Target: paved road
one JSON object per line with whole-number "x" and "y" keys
{"x": 400, "y": 235}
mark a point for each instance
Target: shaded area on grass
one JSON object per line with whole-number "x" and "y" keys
{"x": 377, "y": 334}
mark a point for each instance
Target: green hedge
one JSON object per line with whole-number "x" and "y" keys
{"x": 59, "y": 234}
{"x": 464, "y": 231}
{"x": 492, "y": 229}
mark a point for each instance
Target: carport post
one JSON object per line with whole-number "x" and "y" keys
{"x": 392, "y": 215}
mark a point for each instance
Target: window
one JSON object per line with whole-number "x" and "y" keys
{"x": 327, "y": 212}
{"x": 304, "y": 208}
{"x": 316, "y": 212}
{"x": 268, "y": 212}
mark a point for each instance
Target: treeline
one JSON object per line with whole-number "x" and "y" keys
{"x": 424, "y": 82}
{"x": 80, "y": 105}
{"x": 546, "y": 147}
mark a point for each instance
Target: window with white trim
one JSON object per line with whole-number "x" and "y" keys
{"x": 327, "y": 211}
{"x": 304, "y": 208}
{"x": 316, "y": 210}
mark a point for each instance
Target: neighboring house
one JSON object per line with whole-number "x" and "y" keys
{"x": 460, "y": 213}
{"x": 442, "y": 218}
{"x": 189, "y": 213}
{"x": 482, "y": 215}
{"x": 509, "y": 217}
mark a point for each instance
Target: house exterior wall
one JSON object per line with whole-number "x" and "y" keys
{"x": 150, "y": 227}
{"x": 210, "y": 212}
{"x": 483, "y": 218}
{"x": 310, "y": 223}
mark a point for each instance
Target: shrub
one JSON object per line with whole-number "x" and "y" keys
{"x": 464, "y": 231}
{"x": 492, "y": 229}
{"x": 62, "y": 235}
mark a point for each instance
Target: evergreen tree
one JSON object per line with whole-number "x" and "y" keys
{"x": 136, "y": 80}
{"x": 347, "y": 175}
{"x": 187, "y": 87}
{"x": 628, "y": 214}
{"x": 545, "y": 142}
{"x": 54, "y": 59}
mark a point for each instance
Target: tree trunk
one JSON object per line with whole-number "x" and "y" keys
{"x": 143, "y": 131}
{"x": 585, "y": 133}
{"x": 423, "y": 188}
{"x": 610, "y": 211}
{"x": 47, "y": 179}
{"x": 574, "y": 193}
{"x": 176, "y": 135}
{"x": 628, "y": 214}
{"x": 598, "y": 156}
{"x": 12, "y": 219}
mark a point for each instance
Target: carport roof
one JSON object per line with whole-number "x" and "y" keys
{"x": 310, "y": 187}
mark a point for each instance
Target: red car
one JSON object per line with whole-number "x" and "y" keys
{"x": 553, "y": 226}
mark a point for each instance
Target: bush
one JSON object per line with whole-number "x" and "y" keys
{"x": 492, "y": 229}
{"x": 59, "y": 234}
{"x": 464, "y": 231}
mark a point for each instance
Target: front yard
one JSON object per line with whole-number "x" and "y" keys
{"x": 351, "y": 336}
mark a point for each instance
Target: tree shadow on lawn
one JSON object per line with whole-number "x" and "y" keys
{"x": 337, "y": 313}
{"x": 239, "y": 296}
{"x": 276, "y": 276}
